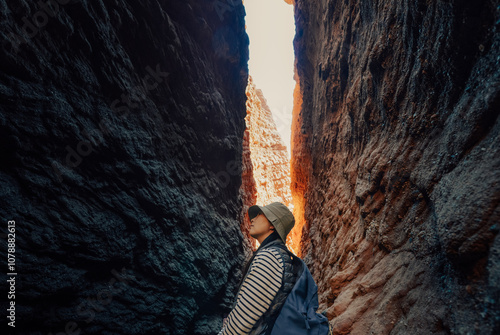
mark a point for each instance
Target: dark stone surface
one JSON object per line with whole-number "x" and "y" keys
{"x": 399, "y": 142}
{"x": 121, "y": 128}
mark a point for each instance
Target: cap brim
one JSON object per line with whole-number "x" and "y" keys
{"x": 253, "y": 211}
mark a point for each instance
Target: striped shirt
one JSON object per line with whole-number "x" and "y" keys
{"x": 256, "y": 293}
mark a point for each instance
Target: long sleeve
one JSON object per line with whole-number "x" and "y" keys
{"x": 256, "y": 294}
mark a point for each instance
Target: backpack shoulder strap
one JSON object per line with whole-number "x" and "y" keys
{"x": 297, "y": 263}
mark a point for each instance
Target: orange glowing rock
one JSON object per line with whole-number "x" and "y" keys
{"x": 300, "y": 170}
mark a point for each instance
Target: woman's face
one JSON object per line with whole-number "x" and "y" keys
{"x": 260, "y": 226}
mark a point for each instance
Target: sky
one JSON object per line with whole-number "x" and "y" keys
{"x": 271, "y": 28}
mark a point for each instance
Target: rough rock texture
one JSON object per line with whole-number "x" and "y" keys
{"x": 397, "y": 151}
{"x": 121, "y": 129}
{"x": 271, "y": 165}
{"x": 299, "y": 167}
{"x": 268, "y": 153}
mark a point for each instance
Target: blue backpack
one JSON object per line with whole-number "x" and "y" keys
{"x": 298, "y": 315}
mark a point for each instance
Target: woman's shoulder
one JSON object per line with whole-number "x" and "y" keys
{"x": 269, "y": 255}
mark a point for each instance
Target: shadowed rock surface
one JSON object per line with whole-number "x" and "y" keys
{"x": 121, "y": 129}
{"x": 396, "y": 152}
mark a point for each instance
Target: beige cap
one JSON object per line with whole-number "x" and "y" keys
{"x": 278, "y": 215}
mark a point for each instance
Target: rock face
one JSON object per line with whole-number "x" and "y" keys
{"x": 268, "y": 153}
{"x": 299, "y": 167}
{"x": 121, "y": 129}
{"x": 270, "y": 162}
{"x": 397, "y": 155}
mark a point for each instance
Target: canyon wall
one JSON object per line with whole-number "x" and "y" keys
{"x": 121, "y": 127}
{"x": 396, "y": 155}
{"x": 268, "y": 154}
